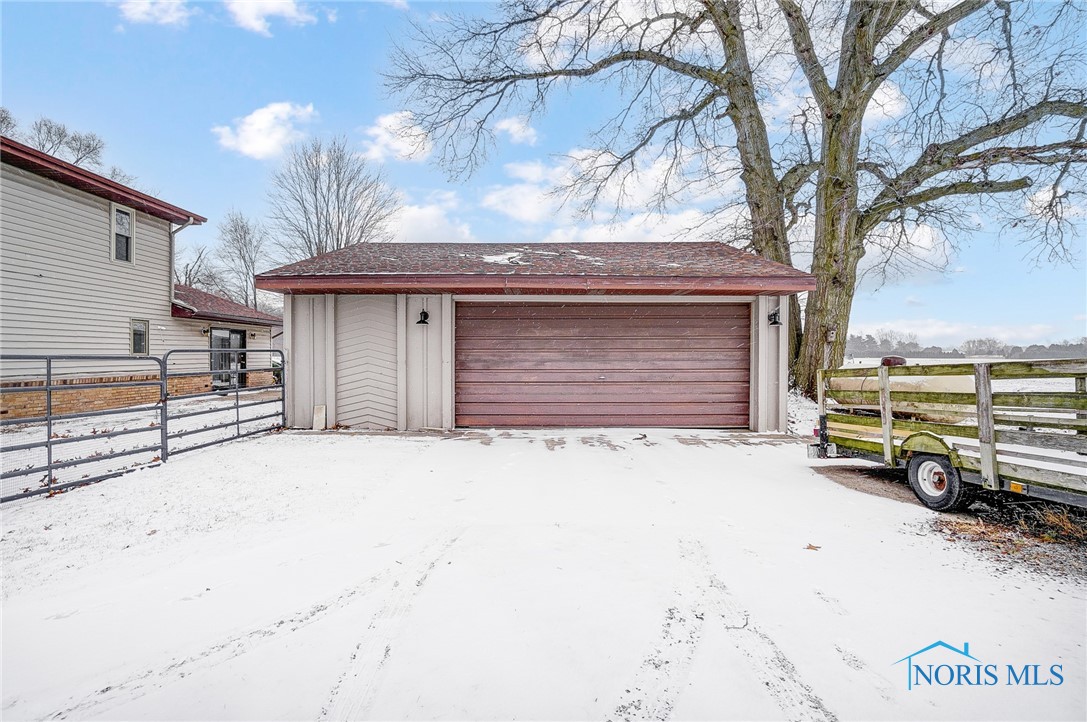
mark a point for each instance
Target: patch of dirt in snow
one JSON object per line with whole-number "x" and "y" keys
{"x": 874, "y": 480}
{"x": 1045, "y": 538}
{"x": 600, "y": 441}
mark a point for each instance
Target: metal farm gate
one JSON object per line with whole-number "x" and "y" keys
{"x": 69, "y": 420}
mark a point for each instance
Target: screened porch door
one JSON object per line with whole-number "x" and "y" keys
{"x": 226, "y": 367}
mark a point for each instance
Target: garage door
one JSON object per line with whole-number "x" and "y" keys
{"x": 540, "y": 364}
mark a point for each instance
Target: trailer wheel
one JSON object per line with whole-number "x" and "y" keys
{"x": 938, "y": 484}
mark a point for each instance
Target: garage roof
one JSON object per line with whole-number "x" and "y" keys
{"x": 651, "y": 268}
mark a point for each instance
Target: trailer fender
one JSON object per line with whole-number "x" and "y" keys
{"x": 926, "y": 442}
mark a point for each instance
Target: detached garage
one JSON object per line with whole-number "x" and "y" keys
{"x": 443, "y": 335}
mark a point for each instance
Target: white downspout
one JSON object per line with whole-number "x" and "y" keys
{"x": 173, "y": 234}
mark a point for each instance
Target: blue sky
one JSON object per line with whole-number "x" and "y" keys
{"x": 197, "y": 99}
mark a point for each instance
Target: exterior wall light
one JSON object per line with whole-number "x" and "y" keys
{"x": 423, "y": 316}
{"x": 774, "y": 318}
{"x": 205, "y": 330}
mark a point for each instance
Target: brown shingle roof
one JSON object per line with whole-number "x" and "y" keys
{"x": 47, "y": 166}
{"x": 194, "y": 303}
{"x": 661, "y": 268}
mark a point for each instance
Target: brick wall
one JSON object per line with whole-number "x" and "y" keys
{"x": 31, "y": 403}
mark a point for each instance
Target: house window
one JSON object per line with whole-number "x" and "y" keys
{"x": 122, "y": 224}
{"x": 138, "y": 331}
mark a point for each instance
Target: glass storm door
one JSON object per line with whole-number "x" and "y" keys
{"x": 228, "y": 365}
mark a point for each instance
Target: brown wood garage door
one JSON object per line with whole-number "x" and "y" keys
{"x": 551, "y": 364}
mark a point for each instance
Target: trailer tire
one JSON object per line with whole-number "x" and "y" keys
{"x": 937, "y": 483}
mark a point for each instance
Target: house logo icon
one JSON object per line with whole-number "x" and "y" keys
{"x": 908, "y": 659}
{"x": 954, "y": 667}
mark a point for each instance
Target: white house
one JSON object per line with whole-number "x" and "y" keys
{"x": 86, "y": 267}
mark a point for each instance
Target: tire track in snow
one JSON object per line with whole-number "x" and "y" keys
{"x": 152, "y": 680}
{"x": 353, "y": 693}
{"x": 703, "y": 598}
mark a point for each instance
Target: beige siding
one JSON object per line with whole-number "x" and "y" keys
{"x": 60, "y": 290}
{"x": 309, "y": 330}
{"x": 186, "y": 334}
{"x": 366, "y": 361}
{"x": 769, "y": 365}
{"x": 428, "y": 371}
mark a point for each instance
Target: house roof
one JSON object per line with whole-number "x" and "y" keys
{"x": 47, "y": 166}
{"x": 511, "y": 268}
{"x": 193, "y": 303}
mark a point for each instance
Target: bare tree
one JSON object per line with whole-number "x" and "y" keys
{"x": 8, "y": 126}
{"x": 990, "y": 120}
{"x": 326, "y": 197}
{"x": 243, "y": 252}
{"x": 194, "y": 267}
{"x": 57, "y": 139}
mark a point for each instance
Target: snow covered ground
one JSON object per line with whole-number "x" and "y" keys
{"x": 141, "y": 430}
{"x": 543, "y": 575}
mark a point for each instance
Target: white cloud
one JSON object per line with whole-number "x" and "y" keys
{"x": 254, "y": 14}
{"x": 430, "y": 222}
{"x": 686, "y": 225}
{"x": 525, "y": 202}
{"x": 535, "y": 171}
{"x": 518, "y": 130}
{"x": 1038, "y": 203}
{"x": 888, "y": 103}
{"x": 267, "y": 131}
{"x": 156, "y": 12}
{"x": 396, "y": 136}
{"x": 398, "y": 4}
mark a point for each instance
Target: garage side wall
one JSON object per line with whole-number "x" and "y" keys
{"x": 769, "y": 364}
{"x": 309, "y": 324}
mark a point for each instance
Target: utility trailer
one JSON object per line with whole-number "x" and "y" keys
{"x": 963, "y": 429}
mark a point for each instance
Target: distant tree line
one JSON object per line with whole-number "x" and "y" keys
{"x": 885, "y": 342}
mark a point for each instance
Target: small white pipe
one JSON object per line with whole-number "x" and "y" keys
{"x": 173, "y": 235}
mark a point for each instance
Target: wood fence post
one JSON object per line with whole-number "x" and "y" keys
{"x": 983, "y": 386}
{"x": 886, "y": 415}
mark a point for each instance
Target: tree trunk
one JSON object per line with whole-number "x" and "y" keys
{"x": 837, "y": 251}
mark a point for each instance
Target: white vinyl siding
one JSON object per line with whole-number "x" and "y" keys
{"x": 60, "y": 293}
{"x": 366, "y": 361}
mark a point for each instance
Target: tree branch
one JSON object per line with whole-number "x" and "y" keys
{"x": 934, "y": 26}
{"x": 947, "y": 156}
{"x": 879, "y": 212}
{"x": 805, "y": 54}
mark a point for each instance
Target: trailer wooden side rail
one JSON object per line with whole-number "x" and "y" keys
{"x": 965, "y": 427}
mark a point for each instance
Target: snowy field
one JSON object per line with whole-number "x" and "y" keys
{"x": 531, "y": 575}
